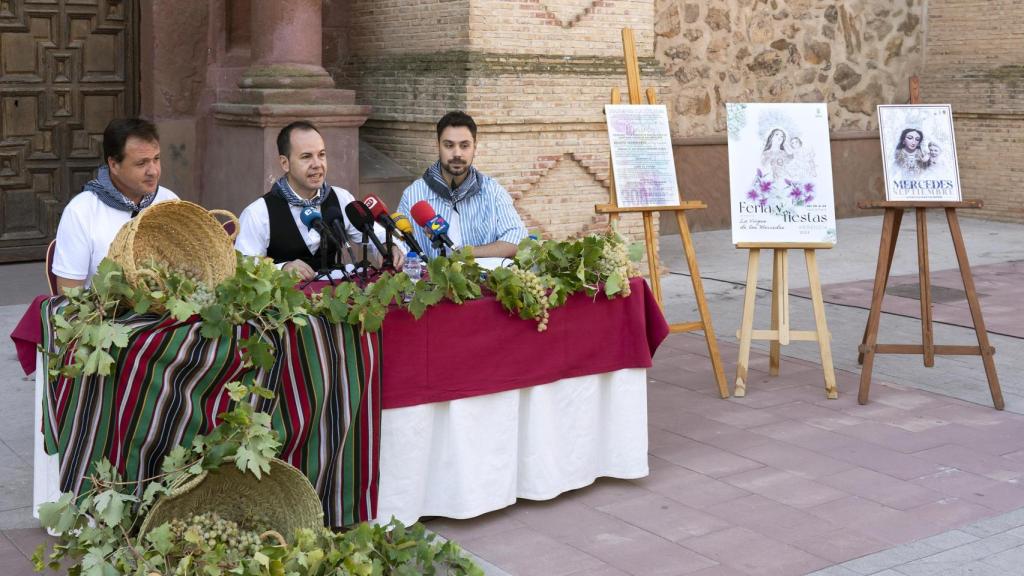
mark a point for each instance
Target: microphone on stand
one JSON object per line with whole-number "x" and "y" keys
{"x": 336, "y": 221}
{"x": 435, "y": 226}
{"x": 405, "y": 229}
{"x": 314, "y": 221}
{"x": 360, "y": 217}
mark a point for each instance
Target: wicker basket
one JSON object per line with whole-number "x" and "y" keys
{"x": 283, "y": 499}
{"x": 186, "y": 237}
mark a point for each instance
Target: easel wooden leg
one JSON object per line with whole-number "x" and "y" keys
{"x": 898, "y": 219}
{"x": 987, "y": 352}
{"x": 885, "y": 253}
{"x": 925, "y": 282}
{"x": 780, "y": 308}
{"x": 652, "y": 257}
{"x": 774, "y": 348}
{"x": 702, "y": 304}
{"x": 821, "y": 327}
{"x": 747, "y": 324}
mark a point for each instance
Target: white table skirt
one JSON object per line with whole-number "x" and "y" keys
{"x": 45, "y": 468}
{"x": 466, "y": 457}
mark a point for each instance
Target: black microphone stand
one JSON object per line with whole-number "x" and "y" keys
{"x": 325, "y": 267}
{"x": 364, "y": 265}
{"x": 439, "y": 245}
{"x": 389, "y": 258}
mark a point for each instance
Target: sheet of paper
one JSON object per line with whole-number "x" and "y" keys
{"x": 641, "y": 146}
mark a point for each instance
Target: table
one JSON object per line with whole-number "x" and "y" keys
{"x": 168, "y": 386}
{"x": 471, "y": 421}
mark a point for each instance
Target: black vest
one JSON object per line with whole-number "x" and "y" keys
{"x": 286, "y": 243}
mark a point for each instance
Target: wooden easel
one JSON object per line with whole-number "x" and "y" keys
{"x": 650, "y": 239}
{"x": 780, "y": 333}
{"x": 887, "y": 246}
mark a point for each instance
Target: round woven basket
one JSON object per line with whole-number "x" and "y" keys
{"x": 185, "y": 237}
{"x": 281, "y": 500}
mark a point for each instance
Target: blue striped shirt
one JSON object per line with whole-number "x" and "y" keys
{"x": 487, "y": 217}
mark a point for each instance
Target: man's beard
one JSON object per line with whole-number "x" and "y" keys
{"x": 455, "y": 171}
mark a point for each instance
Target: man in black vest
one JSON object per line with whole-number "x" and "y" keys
{"x": 271, "y": 226}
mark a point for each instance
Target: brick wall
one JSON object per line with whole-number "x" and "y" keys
{"x": 975, "y": 61}
{"x": 535, "y": 76}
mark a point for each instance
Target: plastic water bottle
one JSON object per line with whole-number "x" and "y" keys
{"x": 413, "y": 269}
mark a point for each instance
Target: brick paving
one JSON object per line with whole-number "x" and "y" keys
{"x": 782, "y": 482}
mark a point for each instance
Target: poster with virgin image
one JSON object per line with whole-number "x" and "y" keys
{"x": 780, "y": 174}
{"x": 919, "y": 153}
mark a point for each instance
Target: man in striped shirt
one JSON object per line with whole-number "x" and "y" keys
{"x": 478, "y": 210}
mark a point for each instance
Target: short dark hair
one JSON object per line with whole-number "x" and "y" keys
{"x": 456, "y": 118}
{"x": 284, "y": 137}
{"x": 119, "y": 130}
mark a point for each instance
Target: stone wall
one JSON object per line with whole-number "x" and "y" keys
{"x": 853, "y": 54}
{"x": 975, "y": 61}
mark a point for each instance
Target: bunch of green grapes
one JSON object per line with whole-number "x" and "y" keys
{"x": 212, "y": 530}
{"x": 535, "y": 302}
{"x": 203, "y": 296}
{"x": 615, "y": 258}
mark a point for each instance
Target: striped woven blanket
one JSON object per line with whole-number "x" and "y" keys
{"x": 168, "y": 385}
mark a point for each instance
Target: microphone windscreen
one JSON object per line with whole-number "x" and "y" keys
{"x": 358, "y": 214}
{"x": 376, "y": 206}
{"x": 422, "y": 212}
{"x": 309, "y": 216}
{"x": 331, "y": 213}
{"x": 402, "y": 223}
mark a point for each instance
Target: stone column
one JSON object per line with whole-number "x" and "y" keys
{"x": 285, "y": 82}
{"x": 287, "y": 46}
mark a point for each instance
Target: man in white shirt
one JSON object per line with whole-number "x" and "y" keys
{"x": 127, "y": 183}
{"x": 272, "y": 225}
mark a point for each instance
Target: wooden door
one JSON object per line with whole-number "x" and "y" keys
{"x": 67, "y": 67}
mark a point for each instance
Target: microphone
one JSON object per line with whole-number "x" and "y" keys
{"x": 360, "y": 217}
{"x": 314, "y": 221}
{"x": 379, "y": 210}
{"x": 436, "y": 226}
{"x": 334, "y": 218}
{"x": 405, "y": 229}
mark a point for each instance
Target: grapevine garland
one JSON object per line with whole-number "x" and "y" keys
{"x": 99, "y": 532}
{"x": 541, "y": 276}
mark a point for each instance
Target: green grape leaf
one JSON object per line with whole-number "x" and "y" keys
{"x": 236, "y": 391}
{"x": 110, "y": 505}
{"x": 182, "y": 310}
{"x": 613, "y": 284}
{"x": 161, "y": 538}
{"x": 251, "y": 461}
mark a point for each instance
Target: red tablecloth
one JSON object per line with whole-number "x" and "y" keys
{"x": 458, "y": 351}
{"x": 477, "y": 348}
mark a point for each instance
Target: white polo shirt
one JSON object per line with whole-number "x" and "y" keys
{"x": 86, "y": 229}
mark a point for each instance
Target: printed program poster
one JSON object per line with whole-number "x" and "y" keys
{"x": 641, "y": 145}
{"x": 919, "y": 153}
{"x": 780, "y": 173}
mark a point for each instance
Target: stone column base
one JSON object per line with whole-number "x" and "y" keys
{"x": 243, "y": 162}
